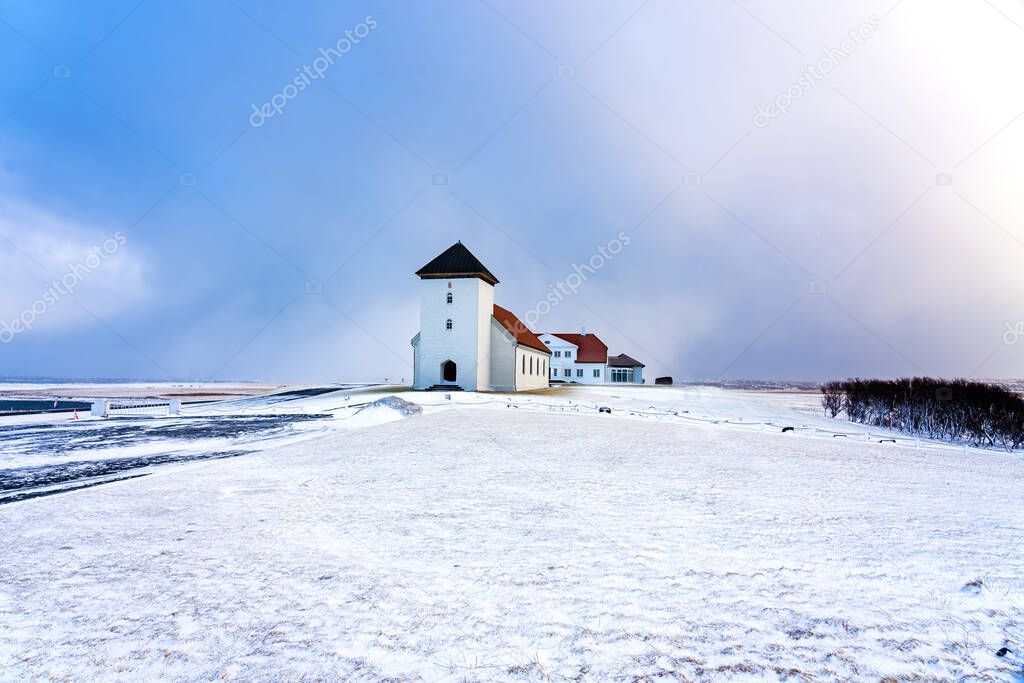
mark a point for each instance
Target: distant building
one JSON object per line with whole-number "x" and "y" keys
{"x": 583, "y": 359}
{"x": 580, "y": 358}
{"x": 623, "y": 369}
{"x": 466, "y": 341}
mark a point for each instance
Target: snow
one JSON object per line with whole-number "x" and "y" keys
{"x": 528, "y": 537}
{"x": 128, "y": 389}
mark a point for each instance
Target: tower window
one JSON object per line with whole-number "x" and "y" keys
{"x": 448, "y": 299}
{"x": 448, "y": 324}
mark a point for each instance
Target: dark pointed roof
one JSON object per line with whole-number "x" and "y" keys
{"x": 457, "y": 261}
{"x": 624, "y": 361}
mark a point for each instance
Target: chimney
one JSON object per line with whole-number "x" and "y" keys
{"x": 583, "y": 331}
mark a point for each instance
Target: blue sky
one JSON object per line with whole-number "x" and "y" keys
{"x": 875, "y": 228}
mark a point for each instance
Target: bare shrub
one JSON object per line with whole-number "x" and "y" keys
{"x": 958, "y": 411}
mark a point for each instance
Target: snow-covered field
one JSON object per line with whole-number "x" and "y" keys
{"x": 683, "y": 536}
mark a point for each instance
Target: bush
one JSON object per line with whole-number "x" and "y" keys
{"x": 958, "y": 411}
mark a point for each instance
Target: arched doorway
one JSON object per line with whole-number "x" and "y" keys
{"x": 448, "y": 371}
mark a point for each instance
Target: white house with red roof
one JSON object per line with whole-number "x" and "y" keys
{"x": 465, "y": 340}
{"x": 583, "y": 359}
{"x": 580, "y": 358}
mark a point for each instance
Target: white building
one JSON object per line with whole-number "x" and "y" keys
{"x": 625, "y": 370}
{"x": 583, "y": 359}
{"x": 466, "y": 341}
{"x": 580, "y": 358}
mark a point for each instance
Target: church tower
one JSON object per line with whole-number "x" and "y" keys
{"x": 456, "y": 306}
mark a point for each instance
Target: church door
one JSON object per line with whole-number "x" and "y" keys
{"x": 448, "y": 371}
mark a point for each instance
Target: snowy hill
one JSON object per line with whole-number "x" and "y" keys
{"x": 490, "y": 537}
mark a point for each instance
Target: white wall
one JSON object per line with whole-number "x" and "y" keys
{"x": 503, "y": 358}
{"x": 538, "y": 379}
{"x": 467, "y": 343}
{"x": 507, "y": 363}
{"x": 485, "y": 315}
{"x": 561, "y": 346}
{"x": 588, "y": 373}
{"x": 415, "y": 341}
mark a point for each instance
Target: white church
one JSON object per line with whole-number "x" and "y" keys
{"x": 466, "y": 341}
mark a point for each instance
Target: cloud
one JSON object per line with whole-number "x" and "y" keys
{"x": 843, "y": 189}
{"x": 58, "y": 274}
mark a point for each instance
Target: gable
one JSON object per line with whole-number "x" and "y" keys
{"x": 553, "y": 342}
{"x": 519, "y": 331}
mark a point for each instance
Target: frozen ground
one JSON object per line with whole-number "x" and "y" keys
{"x": 684, "y": 536}
{"x": 45, "y": 454}
{"x": 86, "y": 390}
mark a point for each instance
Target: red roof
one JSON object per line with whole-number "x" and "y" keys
{"x": 518, "y": 330}
{"x": 591, "y": 348}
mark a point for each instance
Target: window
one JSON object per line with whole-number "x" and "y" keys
{"x": 531, "y": 365}
{"x": 568, "y": 354}
{"x": 579, "y": 372}
{"x": 448, "y": 299}
{"x": 597, "y": 373}
{"x": 448, "y": 324}
{"x": 567, "y": 372}
{"x": 622, "y": 374}
{"x": 524, "y": 365}
{"x": 558, "y": 354}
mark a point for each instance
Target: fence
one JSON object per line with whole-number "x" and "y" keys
{"x": 144, "y": 406}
